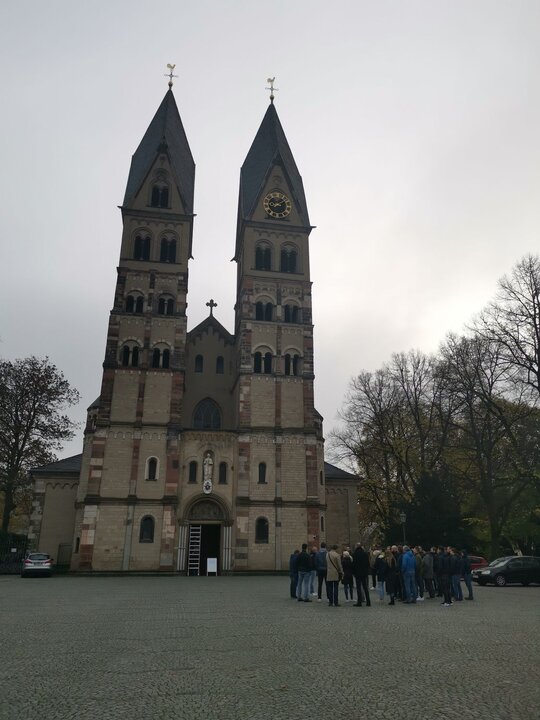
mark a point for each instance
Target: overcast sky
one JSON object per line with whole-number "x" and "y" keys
{"x": 415, "y": 126}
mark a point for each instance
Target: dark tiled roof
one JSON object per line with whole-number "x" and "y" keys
{"x": 164, "y": 132}
{"x": 269, "y": 148}
{"x": 335, "y": 473}
{"x": 67, "y": 465}
{"x": 210, "y": 321}
{"x": 95, "y": 404}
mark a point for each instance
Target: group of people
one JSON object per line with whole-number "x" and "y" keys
{"x": 400, "y": 572}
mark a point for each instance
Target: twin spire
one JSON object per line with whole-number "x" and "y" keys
{"x": 269, "y": 149}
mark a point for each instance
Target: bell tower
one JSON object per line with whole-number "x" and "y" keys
{"x": 129, "y": 479}
{"x": 280, "y": 472}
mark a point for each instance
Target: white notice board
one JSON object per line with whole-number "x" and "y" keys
{"x": 211, "y": 565}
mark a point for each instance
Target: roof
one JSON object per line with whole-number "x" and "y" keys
{"x": 165, "y": 133}
{"x": 335, "y": 473}
{"x": 211, "y": 322}
{"x": 67, "y": 465}
{"x": 269, "y": 148}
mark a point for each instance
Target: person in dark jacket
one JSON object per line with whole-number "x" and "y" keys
{"x": 380, "y": 573}
{"x": 391, "y": 575}
{"x": 320, "y": 566}
{"x": 427, "y": 562}
{"x": 467, "y": 573}
{"x": 348, "y": 579}
{"x": 456, "y": 567}
{"x": 361, "y": 572}
{"x": 304, "y": 565}
{"x": 293, "y": 571}
{"x": 444, "y": 576}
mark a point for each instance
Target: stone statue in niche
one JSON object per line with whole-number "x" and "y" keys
{"x": 208, "y": 467}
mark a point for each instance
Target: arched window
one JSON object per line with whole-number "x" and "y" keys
{"x": 192, "y": 476}
{"x": 322, "y": 523}
{"x": 259, "y": 311}
{"x": 207, "y": 416}
{"x": 160, "y": 196}
{"x": 220, "y": 365}
{"x": 134, "y": 304}
{"x": 199, "y": 363}
{"x": 321, "y": 478}
{"x": 146, "y": 532}
{"x": 267, "y": 367}
{"x": 262, "y": 473}
{"x": 268, "y": 311}
{"x": 161, "y": 357}
{"x": 152, "y": 468}
{"x": 222, "y": 477}
{"x": 129, "y": 355}
{"x": 141, "y": 249}
{"x": 168, "y": 250}
{"x": 257, "y": 362}
{"x": 263, "y": 258}
{"x": 296, "y": 365}
{"x": 291, "y": 314}
{"x": 287, "y": 364}
{"x": 288, "y": 260}
{"x": 261, "y": 531}
{"x": 165, "y": 305}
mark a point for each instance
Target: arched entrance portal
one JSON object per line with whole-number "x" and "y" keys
{"x": 207, "y": 536}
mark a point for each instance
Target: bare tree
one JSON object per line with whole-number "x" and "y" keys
{"x": 33, "y": 394}
{"x": 513, "y": 321}
{"x": 494, "y": 447}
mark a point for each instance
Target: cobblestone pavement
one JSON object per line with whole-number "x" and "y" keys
{"x": 113, "y": 648}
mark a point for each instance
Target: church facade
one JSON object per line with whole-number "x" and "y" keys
{"x": 204, "y": 449}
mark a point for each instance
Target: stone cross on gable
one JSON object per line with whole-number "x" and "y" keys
{"x": 211, "y": 305}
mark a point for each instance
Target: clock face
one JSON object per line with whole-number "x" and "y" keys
{"x": 277, "y": 205}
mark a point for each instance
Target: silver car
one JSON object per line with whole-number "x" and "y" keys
{"x": 37, "y": 564}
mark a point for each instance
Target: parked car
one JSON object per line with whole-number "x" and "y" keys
{"x": 37, "y": 564}
{"x": 523, "y": 569}
{"x": 477, "y": 562}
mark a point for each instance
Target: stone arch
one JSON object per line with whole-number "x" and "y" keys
{"x": 204, "y": 507}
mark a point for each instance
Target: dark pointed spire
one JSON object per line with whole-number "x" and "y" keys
{"x": 269, "y": 148}
{"x": 164, "y": 134}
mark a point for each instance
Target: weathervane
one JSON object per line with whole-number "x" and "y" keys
{"x": 170, "y": 74}
{"x": 271, "y": 88}
{"x": 211, "y": 305}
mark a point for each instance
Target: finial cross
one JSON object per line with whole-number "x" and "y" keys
{"x": 271, "y": 88}
{"x": 211, "y": 305}
{"x": 170, "y": 74}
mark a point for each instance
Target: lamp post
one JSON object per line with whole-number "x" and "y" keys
{"x": 403, "y": 519}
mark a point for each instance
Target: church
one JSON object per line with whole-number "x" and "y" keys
{"x": 204, "y": 451}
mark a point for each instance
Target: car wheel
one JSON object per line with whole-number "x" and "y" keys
{"x": 500, "y": 580}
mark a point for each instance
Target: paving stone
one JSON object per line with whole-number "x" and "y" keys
{"x": 135, "y": 648}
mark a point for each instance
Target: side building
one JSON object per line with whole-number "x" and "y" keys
{"x": 205, "y": 444}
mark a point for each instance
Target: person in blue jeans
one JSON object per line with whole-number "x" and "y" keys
{"x": 303, "y": 564}
{"x": 320, "y": 567}
{"x": 408, "y": 571}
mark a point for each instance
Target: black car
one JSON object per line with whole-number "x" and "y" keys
{"x": 523, "y": 569}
